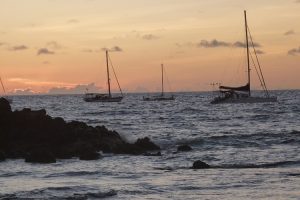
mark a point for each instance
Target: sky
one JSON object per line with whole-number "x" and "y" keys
{"x": 57, "y": 46}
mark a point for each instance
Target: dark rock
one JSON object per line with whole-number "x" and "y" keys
{"x": 146, "y": 144}
{"x": 184, "y": 148}
{"x": 17, "y": 154}
{"x": 90, "y": 155}
{"x": 40, "y": 156}
{"x": 24, "y": 132}
{"x": 2, "y": 156}
{"x": 4, "y": 106}
{"x": 141, "y": 146}
{"x": 200, "y": 165}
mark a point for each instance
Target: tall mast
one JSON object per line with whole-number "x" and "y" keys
{"x": 2, "y": 86}
{"x": 247, "y": 45}
{"x": 108, "y": 78}
{"x": 162, "y": 79}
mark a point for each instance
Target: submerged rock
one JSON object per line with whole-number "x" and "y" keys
{"x": 40, "y": 138}
{"x": 200, "y": 165}
{"x": 184, "y": 147}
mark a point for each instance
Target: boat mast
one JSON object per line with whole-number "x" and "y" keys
{"x": 247, "y": 45}
{"x": 2, "y": 86}
{"x": 162, "y": 79}
{"x": 107, "y": 69}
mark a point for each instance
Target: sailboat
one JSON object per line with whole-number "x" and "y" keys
{"x": 242, "y": 94}
{"x": 4, "y": 91}
{"x": 162, "y": 96}
{"x": 108, "y": 97}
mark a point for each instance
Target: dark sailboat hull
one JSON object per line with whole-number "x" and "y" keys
{"x": 222, "y": 100}
{"x": 111, "y": 99}
{"x": 94, "y": 97}
{"x": 159, "y": 98}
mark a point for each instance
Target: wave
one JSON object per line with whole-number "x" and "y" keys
{"x": 264, "y": 165}
{"x": 72, "y": 173}
{"x": 11, "y": 174}
{"x": 94, "y": 195}
{"x": 240, "y": 166}
{"x": 244, "y": 140}
{"x": 60, "y": 193}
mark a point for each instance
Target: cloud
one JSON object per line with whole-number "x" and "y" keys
{"x": 18, "y": 48}
{"x": 113, "y": 49}
{"x": 150, "y": 37}
{"x": 72, "y": 21}
{"x": 27, "y": 91}
{"x": 294, "y": 52}
{"x": 290, "y": 32}
{"x": 53, "y": 45}
{"x": 243, "y": 45}
{"x": 78, "y": 89}
{"x": 212, "y": 44}
{"x": 216, "y": 43}
{"x": 45, "y": 51}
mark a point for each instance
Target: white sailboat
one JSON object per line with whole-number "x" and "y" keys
{"x": 98, "y": 97}
{"x": 4, "y": 91}
{"x": 162, "y": 96}
{"x": 242, "y": 94}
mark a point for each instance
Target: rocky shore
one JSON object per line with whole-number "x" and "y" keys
{"x": 37, "y": 137}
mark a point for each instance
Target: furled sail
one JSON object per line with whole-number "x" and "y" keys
{"x": 241, "y": 88}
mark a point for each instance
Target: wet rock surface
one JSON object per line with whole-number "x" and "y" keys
{"x": 200, "y": 165}
{"x": 34, "y": 134}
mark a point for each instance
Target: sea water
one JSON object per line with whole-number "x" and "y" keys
{"x": 254, "y": 150}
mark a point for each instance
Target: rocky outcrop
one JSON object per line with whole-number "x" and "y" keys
{"x": 184, "y": 147}
{"x": 40, "y": 156}
{"x": 200, "y": 165}
{"x": 141, "y": 146}
{"x": 2, "y": 156}
{"x": 25, "y": 132}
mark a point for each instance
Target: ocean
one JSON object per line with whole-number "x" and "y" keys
{"x": 254, "y": 150}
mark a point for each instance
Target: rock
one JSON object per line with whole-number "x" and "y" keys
{"x": 40, "y": 156}
{"x": 184, "y": 148}
{"x": 37, "y": 137}
{"x": 200, "y": 165}
{"x": 90, "y": 155}
{"x": 2, "y": 156}
{"x": 141, "y": 146}
{"x": 4, "y": 106}
{"x": 146, "y": 144}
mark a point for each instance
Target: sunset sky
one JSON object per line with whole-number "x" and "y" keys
{"x": 56, "y": 46}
